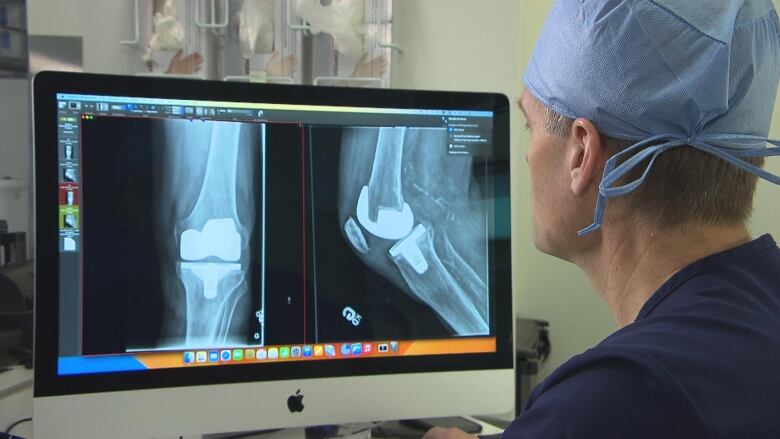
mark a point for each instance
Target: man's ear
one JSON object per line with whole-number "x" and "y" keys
{"x": 586, "y": 157}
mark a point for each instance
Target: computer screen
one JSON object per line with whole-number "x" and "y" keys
{"x": 215, "y": 234}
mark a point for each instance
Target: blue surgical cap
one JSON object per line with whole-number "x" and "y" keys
{"x": 663, "y": 73}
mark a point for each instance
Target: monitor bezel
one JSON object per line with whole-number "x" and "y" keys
{"x": 46, "y": 85}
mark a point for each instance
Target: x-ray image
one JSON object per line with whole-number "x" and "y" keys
{"x": 179, "y": 218}
{"x": 202, "y": 234}
{"x": 69, "y": 175}
{"x": 68, "y": 244}
{"x": 415, "y": 216}
{"x": 208, "y": 197}
{"x": 69, "y": 220}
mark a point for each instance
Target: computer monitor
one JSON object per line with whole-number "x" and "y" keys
{"x": 220, "y": 257}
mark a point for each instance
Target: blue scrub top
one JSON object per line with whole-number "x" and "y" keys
{"x": 702, "y": 360}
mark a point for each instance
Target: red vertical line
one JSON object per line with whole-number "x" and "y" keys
{"x": 303, "y": 219}
{"x": 80, "y": 191}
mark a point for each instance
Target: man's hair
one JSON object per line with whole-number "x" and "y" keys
{"x": 685, "y": 185}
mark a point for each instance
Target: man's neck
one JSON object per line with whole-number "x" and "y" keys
{"x": 632, "y": 264}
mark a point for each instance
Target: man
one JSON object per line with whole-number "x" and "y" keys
{"x": 656, "y": 112}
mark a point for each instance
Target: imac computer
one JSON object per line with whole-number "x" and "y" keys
{"x": 219, "y": 257}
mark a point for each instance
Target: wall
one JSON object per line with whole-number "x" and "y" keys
{"x": 15, "y": 138}
{"x": 14, "y": 150}
{"x": 101, "y": 24}
{"x": 768, "y": 195}
{"x": 446, "y": 47}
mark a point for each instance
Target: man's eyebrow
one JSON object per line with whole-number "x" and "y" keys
{"x": 520, "y": 104}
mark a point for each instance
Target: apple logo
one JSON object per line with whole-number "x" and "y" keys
{"x": 295, "y": 402}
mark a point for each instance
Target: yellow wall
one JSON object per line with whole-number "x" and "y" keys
{"x": 767, "y": 199}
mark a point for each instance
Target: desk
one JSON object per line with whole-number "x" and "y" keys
{"x": 16, "y": 393}
{"x": 394, "y": 429}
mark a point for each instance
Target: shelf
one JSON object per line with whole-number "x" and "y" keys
{"x": 15, "y": 380}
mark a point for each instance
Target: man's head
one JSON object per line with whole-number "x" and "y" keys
{"x": 599, "y": 82}
{"x": 685, "y": 189}
{"x": 564, "y": 177}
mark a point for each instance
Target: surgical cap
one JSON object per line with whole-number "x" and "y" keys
{"x": 663, "y": 73}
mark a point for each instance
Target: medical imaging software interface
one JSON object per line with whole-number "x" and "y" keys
{"x": 200, "y": 233}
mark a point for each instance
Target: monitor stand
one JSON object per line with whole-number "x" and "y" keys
{"x": 285, "y": 433}
{"x": 348, "y": 431}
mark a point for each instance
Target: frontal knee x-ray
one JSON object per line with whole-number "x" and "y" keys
{"x": 209, "y": 206}
{"x": 414, "y": 215}
{"x": 179, "y": 212}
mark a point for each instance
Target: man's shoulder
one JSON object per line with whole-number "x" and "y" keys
{"x": 687, "y": 368}
{"x": 629, "y": 359}
{"x": 700, "y": 361}
{"x": 611, "y": 393}
{"x": 741, "y": 281}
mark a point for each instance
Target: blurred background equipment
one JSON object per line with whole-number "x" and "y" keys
{"x": 16, "y": 315}
{"x": 317, "y": 42}
{"x": 532, "y": 347}
{"x": 13, "y": 38}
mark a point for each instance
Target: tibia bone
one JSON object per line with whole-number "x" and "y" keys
{"x": 381, "y": 208}
{"x": 454, "y": 296}
{"x": 355, "y": 236}
{"x": 464, "y": 275}
{"x": 210, "y": 274}
{"x": 208, "y": 321}
{"x": 410, "y": 251}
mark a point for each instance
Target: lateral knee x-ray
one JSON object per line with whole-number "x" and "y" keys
{"x": 416, "y": 215}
